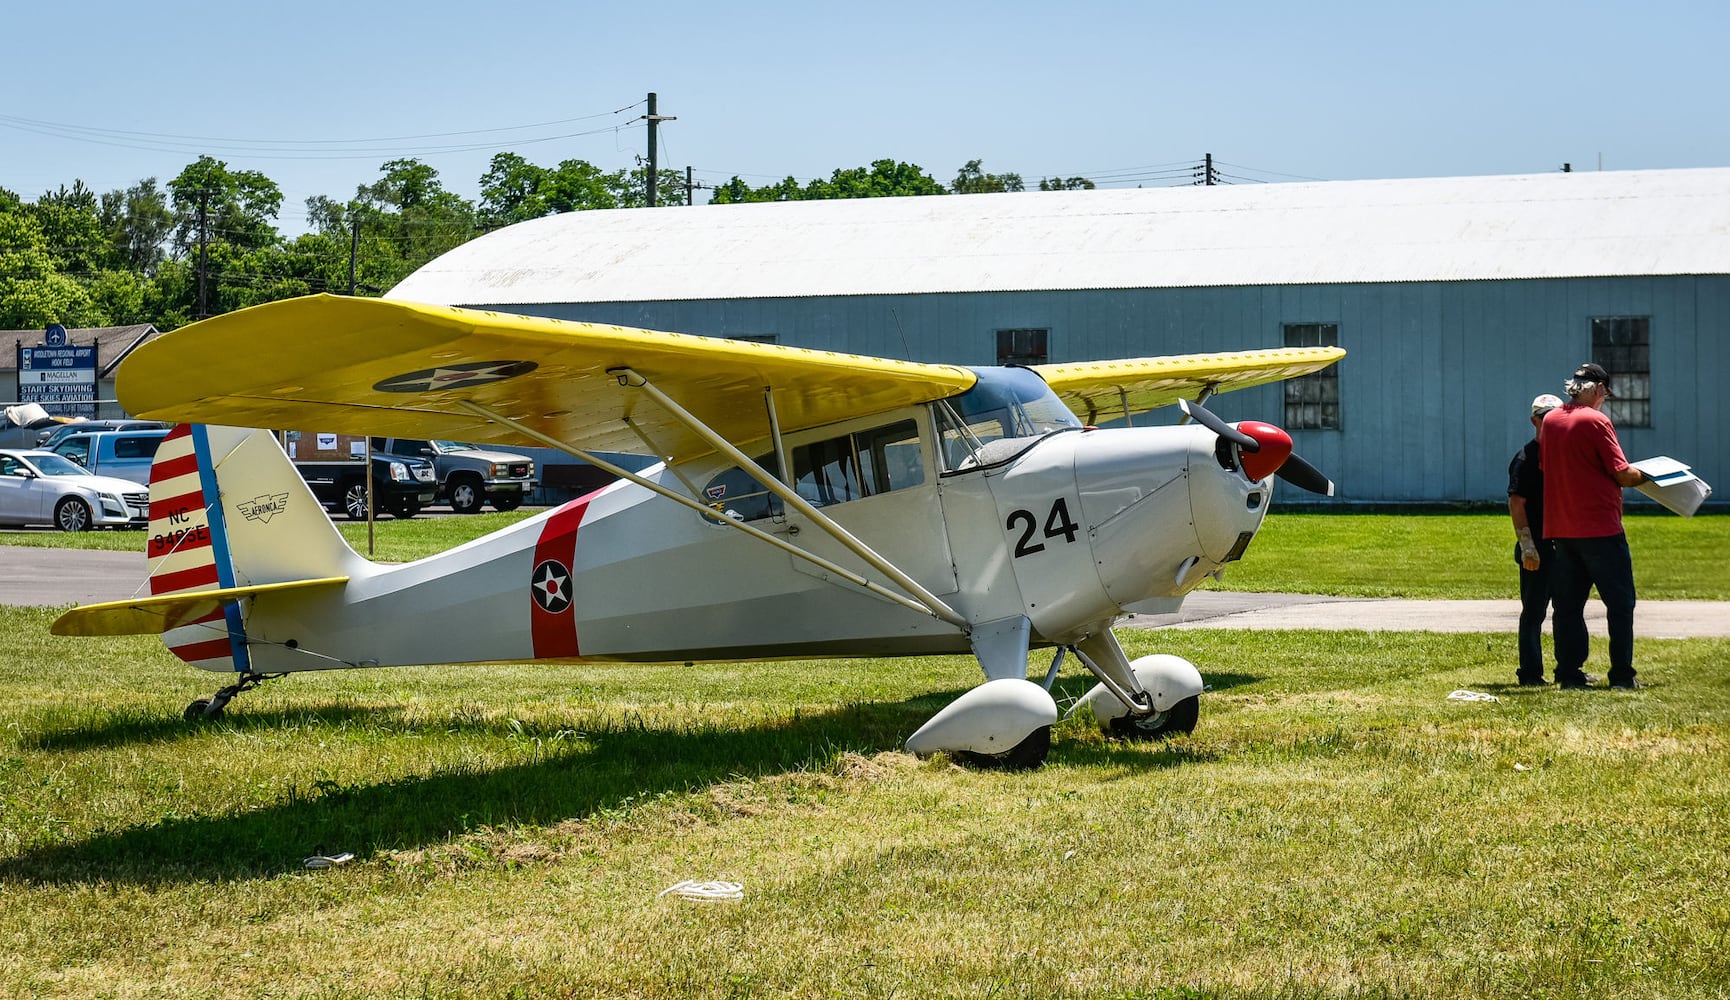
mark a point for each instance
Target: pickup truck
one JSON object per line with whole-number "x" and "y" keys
{"x": 337, "y": 476}
{"x": 468, "y": 475}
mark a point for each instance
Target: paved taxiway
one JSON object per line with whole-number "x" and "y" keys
{"x": 50, "y": 577}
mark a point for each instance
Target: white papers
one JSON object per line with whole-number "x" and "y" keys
{"x": 1673, "y": 485}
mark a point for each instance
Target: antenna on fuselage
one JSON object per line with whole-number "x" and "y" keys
{"x": 908, "y": 351}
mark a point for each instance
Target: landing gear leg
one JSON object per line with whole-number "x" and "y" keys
{"x": 211, "y": 707}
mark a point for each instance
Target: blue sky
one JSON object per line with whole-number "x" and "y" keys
{"x": 318, "y": 94}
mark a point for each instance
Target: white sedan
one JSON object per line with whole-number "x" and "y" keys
{"x": 40, "y": 487}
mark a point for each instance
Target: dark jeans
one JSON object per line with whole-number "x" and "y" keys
{"x": 1534, "y": 607}
{"x": 1579, "y": 564}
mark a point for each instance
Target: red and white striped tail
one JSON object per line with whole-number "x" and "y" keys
{"x": 188, "y": 549}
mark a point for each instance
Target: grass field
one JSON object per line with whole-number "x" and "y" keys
{"x": 1335, "y": 827}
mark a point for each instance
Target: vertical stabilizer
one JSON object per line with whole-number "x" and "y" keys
{"x": 228, "y": 509}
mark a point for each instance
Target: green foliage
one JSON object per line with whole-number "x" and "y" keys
{"x": 1065, "y": 184}
{"x": 884, "y": 179}
{"x": 974, "y": 180}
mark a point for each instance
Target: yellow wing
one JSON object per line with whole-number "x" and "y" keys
{"x": 152, "y": 615}
{"x": 372, "y": 366}
{"x": 1102, "y": 390}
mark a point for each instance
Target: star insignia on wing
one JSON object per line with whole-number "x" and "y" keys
{"x": 446, "y": 377}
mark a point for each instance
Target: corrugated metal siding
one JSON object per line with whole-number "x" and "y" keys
{"x": 1434, "y": 390}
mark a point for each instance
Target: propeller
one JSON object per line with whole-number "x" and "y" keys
{"x": 1263, "y": 449}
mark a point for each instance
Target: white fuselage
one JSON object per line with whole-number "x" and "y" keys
{"x": 1077, "y": 526}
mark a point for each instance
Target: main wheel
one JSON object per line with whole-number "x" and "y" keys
{"x": 1175, "y": 721}
{"x": 354, "y": 500}
{"x": 1024, "y": 756}
{"x": 466, "y": 496}
{"x": 72, "y": 514}
{"x": 506, "y": 502}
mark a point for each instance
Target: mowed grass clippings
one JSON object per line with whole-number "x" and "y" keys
{"x": 1334, "y": 828}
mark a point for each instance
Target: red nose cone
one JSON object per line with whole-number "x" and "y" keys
{"x": 1275, "y": 449}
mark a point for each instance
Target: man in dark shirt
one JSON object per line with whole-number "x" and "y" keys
{"x": 1532, "y": 550}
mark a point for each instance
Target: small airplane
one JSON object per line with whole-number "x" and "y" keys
{"x": 808, "y": 503}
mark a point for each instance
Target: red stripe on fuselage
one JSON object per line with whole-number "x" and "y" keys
{"x": 182, "y": 505}
{"x": 555, "y": 633}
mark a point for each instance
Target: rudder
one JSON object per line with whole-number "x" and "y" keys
{"x": 228, "y": 509}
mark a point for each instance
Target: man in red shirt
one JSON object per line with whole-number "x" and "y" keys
{"x": 1584, "y": 473}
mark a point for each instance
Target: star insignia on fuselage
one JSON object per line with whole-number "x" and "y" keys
{"x": 461, "y": 376}
{"x": 551, "y": 587}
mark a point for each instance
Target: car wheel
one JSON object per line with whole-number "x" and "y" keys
{"x": 466, "y": 497}
{"x": 72, "y": 514}
{"x": 505, "y": 502}
{"x": 405, "y": 509}
{"x": 354, "y": 500}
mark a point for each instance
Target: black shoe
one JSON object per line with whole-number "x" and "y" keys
{"x": 1579, "y": 683}
{"x": 1533, "y": 682}
{"x": 1628, "y": 686}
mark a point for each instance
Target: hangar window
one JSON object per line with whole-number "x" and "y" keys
{"x": 1623, "y": 345}
{"x": 1312, "y": 402}
{"x": 1023, "y": 347}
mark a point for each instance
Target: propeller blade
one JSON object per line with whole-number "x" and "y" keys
{"x": 1305, "y": 476}
{"x": 1207, "y": 418}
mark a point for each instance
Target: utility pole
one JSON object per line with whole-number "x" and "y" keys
{"x": 353, "y": 256}
{"x": 203, "y": 252}
{"x": 654, "y": 121}
{"x": 1210, "y": 174}
{"x": 690, "y": 188}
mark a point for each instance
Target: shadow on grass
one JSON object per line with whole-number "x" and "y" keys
{"x": 571, "y": 775}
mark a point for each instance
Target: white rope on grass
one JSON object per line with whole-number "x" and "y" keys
{"x": 705, "y": 892}
{"x": 1463, "y": 695}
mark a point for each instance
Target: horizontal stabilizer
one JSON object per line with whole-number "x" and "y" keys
{"x": 154, "y": 615}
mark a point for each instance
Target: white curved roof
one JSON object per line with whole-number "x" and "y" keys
{"x": 1553, "y": 225}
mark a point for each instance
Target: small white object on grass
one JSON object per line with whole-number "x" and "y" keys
{"x": 329, "y": 860}
{"x": 705, "y": 892}
{"x": 1463, "y": 695}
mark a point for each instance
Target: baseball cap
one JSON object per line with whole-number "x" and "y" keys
{"x": 1544, "y": 404}
{"x": 1590, "y": 372}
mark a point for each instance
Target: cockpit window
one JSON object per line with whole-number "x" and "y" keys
{"x": 1004, "y": 413}
{"x": 833, "y": 470}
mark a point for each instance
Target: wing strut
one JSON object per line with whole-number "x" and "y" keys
{"x": 714, "y": 517}
{"x": 933, "y": 605}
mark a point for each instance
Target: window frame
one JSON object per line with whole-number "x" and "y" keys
{"x": 1629, "y": 364}
{"x": 1317, "y": 390}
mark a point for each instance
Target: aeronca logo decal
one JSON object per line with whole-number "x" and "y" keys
{"x": 263, "y": 508}
{"x": 461, "y": 376}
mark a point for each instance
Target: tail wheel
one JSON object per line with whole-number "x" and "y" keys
{"x": 354, "y": 500}
{"x": 1175, "y": 721}
{"x": 467, "y": 496}
{"x": 72, "y": 514}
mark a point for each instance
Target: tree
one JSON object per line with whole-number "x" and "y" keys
{"x": 240, "y": 207}
{"x": 138, "y": 222}
{"x": 71, "y": 229}
{"x": 1065, "y": 184}
{"x": 33, "y": 293}
{"x": 884, "y": 179}
{"x": 515, "y": 190}
{"x": 974, "y": 180}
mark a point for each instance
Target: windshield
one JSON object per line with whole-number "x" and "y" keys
{"x": 1004, "y": 413}
{"x": 54, "y": 465}
{"x": 444, "y": 447}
